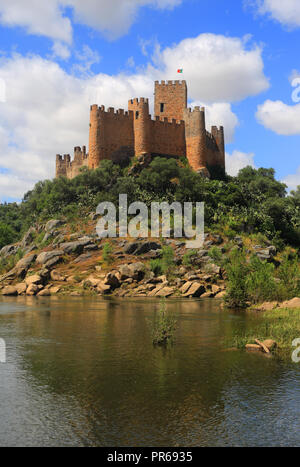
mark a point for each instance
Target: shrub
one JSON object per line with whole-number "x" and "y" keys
{"x": 156, "y": 266}
{"x": 289, "y": 275}
{"x": 260, "y": 281}
{"x": 107, "y": 253}
{"x": 164, "y": 326}
{"x": 237, "y": 269}
{"x": 7, "y": 235}
{"x": 215, "y": 254}
{"x": 167, "y": 259}
{"x": 187, "y": 259}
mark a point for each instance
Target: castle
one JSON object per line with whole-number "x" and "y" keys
{"x": 175, "y": 131}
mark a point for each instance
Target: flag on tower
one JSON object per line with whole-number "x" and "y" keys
{"x": 180, "y": 70}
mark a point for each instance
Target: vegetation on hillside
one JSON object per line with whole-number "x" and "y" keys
{"x": 253, "y": 202}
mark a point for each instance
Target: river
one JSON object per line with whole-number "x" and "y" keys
{"x": 84, "y": 372}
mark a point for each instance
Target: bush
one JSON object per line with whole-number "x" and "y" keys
{"x": 167, "y": 259}
{"x": 237, "y": 269}
{"x": 164, "y": 326}
{"x": 289, "y": 275}
{"x": 188, "y": 257}
{"x": 215, "y": 254}
{"x": 7, "y": 235}
{"x": 107, "y": 253}
{"x": 156, "y": 266}
{"x": 260, "y": 281}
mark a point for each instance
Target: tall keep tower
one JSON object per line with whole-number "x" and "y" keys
{"x": 170, "y": 99}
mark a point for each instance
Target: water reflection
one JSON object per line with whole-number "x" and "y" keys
{"x": 84, "y": 372}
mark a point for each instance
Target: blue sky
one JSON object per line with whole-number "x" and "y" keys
{"x": 58, "y": 57}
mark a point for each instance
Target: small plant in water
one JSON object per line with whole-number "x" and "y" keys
{"x": 164, "y": 326}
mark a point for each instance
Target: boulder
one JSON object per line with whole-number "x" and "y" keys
{"x": 293, "y": 303}
{"x": 53, "y": 224}
{"x": 9, "y": 250}
{"x": 33, "y": 289}
{"x": 35, "y": 279}
{"x": 266, "y": 254}
{"x": 196, "y": 290}
{"x": 208, "y": 295}
{"x": 131, "y": 247}
{"x": 213, "y": 269}
{"x": 44, "y": 273}
{"x": 157, "y": 289}
{"x": 53, "y": 262}
{"x": 47, "y": 256}
{"x": 76, "y": 247}
{"x": 112, "y": 279}
{"x": 215, "y": 289}
{"x": 28, "y": 237}
{"x": 92, "y": 281}
{"x": 44, "y": 293}
{"x": 82, "y": 258}
{"x": 54, "y": 290}
{"x": 104, "y": 288}
{"x": 270, "y": 344}
{"x": 221, "y": 294}
{"x": 56, "y": 276}
{"x": 185, "y": 287}
{"x": 10, "y": 290}
{"x": 21, "y": 288}
{"x": 26, "y": 262}
{"x": 134, "y": 271}
{"x": 125, "y": 272}
{"x": 165, "y": 292}
{"x": 137, "y": 249}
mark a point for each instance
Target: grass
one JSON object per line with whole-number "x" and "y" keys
{"x": 164, "y": 326}
{"x": 281, "y": 325}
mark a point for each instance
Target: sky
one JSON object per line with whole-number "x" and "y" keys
{"x": 240, "y": 59}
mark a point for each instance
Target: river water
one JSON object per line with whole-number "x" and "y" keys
{"x": 84, "y": 372}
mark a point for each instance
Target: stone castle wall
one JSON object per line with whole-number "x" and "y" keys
{"x": 174, "y": 131}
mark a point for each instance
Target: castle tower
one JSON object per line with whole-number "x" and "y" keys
{"x": 195, "y": 134}
{"x": 94, "y": 138}
{"x": 218, "y": 134}
{"x": 141, "y": 125}
{"x": 170, "y": 99}
{"x": 62, "y": 164}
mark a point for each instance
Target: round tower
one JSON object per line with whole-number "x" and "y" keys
{"x": 195, "y": 133}
{"x": 141, "y": 125}
{"x": 94, "y": 138}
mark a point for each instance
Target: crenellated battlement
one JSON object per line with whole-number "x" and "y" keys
{"x": 170, "y": 83}
{"x": 174, "y": 130}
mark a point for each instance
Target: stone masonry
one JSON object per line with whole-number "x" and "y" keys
{"x": 175, "y": 131}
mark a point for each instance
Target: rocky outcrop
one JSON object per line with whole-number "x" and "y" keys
{"x": 10, "y": 290}
{"x": 53, "y": 224}
{"x": 47, "y": 256}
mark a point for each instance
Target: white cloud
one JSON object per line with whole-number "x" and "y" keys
{"x": 293, "y": 180}
{"x": 113, "y": 20}
{"x": 220, "y": 114}
{"x": 46, "y": 18}
{"x": 286, "y": 12}
{"x": 43, "y": 18}
{"x": 218, "y": 68}
{"x": 279, "y": 117}
{"x": 61, "y": 50}
{"x": 237, "y": 161}
{"x": 47, "y": 110}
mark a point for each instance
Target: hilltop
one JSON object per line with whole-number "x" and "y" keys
{"x": 49, "y": 241}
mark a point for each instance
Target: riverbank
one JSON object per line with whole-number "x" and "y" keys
{"x": 59, "y": 258}
{"x": 278, "y": 328}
